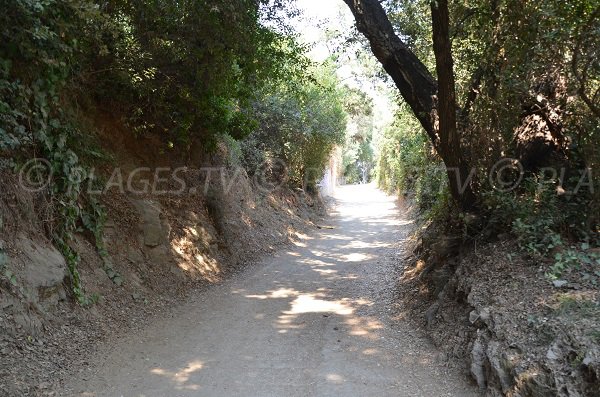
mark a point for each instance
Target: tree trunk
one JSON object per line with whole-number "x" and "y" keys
{"x": 450, "y": 148}
{"x": 416, "y": 84}
{"x": 419, "y": 88}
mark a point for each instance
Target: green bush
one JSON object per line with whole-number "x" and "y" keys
{"x": 407, "y": 165}
{"x": 358, "y": 157}
{"x": 298, "y": 124}
{"x": 546, "y": 224}
{"x": 233, "y": 150}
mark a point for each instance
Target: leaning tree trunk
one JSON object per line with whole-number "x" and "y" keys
{"x": 434, "y": 106}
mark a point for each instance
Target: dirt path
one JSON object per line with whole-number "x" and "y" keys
{"x": 311, "y": 321}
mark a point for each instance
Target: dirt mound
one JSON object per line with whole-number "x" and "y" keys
{"x": 159, "y": 248}
{"x": 518, "y": 333}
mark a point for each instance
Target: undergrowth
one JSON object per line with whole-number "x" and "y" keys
{"x": 546, "y": 219}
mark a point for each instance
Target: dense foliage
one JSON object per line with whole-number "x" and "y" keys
{"x": 407, "y": 164}
{"x": 519, "y": 59}
{"x": 299, "y": 124}
{"x": 191, "y": 73}
{"x": 188, "y": 68}
{"x": 528, "y": 83}
{"x": 358, "y": 157}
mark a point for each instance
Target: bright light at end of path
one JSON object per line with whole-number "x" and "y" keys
{"x": 381, "y": 209}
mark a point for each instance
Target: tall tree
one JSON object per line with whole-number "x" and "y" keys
{"x": 433, "y": 102}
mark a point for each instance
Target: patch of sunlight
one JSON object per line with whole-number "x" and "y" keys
{"x": 191, "y": 259}
{"x": 361, "y": 244}
{"x": 363, "y": 327}
{"x": 299, "y": 235}
{"x": 316, "y": 262}
{"x": 335, "y": 378}
{"x": 356, "y": 257}
{"x": 413, "y": 272}
{"x": 247, "y": 220}
{"x": 337, "y": 237}
{"x": 302, "y": 236}
{"x": 389, "y": 222}
{"x": 370, "y": 351}
{"x": 325, "y": 271}
{"x": 182, "y": 376}
{"x": 276, "y": 294}
{"x": 363, "y": 302}
{"x": 307, "y": 303}
{"x": 287, "y": 321}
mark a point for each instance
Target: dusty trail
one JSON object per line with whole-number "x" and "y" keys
{"x": 311, "y": 321}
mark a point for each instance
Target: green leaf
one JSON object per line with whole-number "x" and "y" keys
{"x": 585, "y": 246}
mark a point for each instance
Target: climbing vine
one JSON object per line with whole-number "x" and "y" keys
{"x": 36, "y": 62}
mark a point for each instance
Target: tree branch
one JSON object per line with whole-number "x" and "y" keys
{"x": 433, "y": 104}
{"x": 416, "y": 84}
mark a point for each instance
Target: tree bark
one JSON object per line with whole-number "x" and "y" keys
{"x": 417, "y": 86}
{"x": 450, "y": 147}
{"x": 433, "y": 104}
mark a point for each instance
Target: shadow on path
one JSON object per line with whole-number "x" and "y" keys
{"x": 311, "y": 321}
